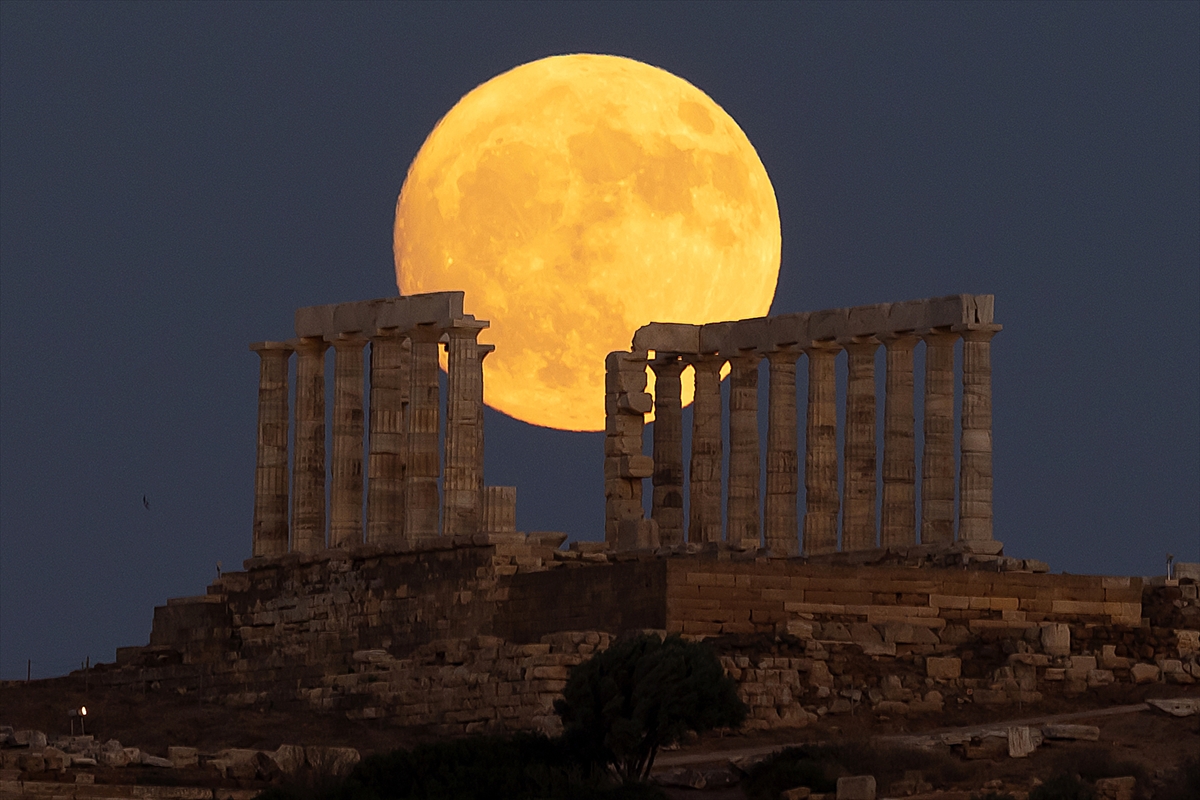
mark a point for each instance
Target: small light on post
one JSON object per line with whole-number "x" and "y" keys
{"x": 80, "y": 712}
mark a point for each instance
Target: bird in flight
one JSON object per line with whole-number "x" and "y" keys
{"x": 145, "y": 502}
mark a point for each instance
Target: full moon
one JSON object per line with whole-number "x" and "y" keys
{"x": 575, "y": 199}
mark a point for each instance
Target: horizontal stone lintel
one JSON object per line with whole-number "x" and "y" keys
{"x": 438, "y": 309}
{"x": 956, "y": 313}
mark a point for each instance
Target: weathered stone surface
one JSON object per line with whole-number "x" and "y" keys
{"x": 1177, "y": 707}
{"x": 1144, "y": 673}
{"x": 945, "y": 669}
{"x": 183, "y": 757}
{"x": 1086, "y": 733}
{"x": 1056, "y": 639}
{"x": 820, "y": 457}
{"x": 1116, "y": 788}
{"x": 937, "y": 461}
{"x": 1023, "y": 740}
{"x": 858, "y": 787}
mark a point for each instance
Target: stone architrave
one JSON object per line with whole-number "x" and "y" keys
{"x": 460, "y": 483}
{"x": 820, "y": 457}
{"x": 975, "y": 463}
{"x": 666, "y": 506}
{"x": 742, "y": 503}
{"x": 780, "y": 523}
{"x": 424, "y": 462}
{"x": 898, "y": 526}
{"x": 704, "y": 506}
{"x": 391, "y": 356}
{"x": 937, "y": 462}
{"x": 308, "y": 476}
{"x": 270, "y": 532}
{"x": 858, "y": 504}
{"x": 346, "y": 485}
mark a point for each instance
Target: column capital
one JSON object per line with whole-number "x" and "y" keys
{"x": 347, "y": 339}
{"x": 977, "y": 332}
{"x": 668, "y": 364}
{"x": 823, "y": 346}
{"x": 783, "y": 355}
{"x": 485, "y": 350}
{"x": 425, "y": 333}
{"x": 265, "y": 349}
{"x": 465, "y": 328}
{"x": 309, "y": 345}
{"x": 860, "y": 344}
{"x": 939, "y": 335}
{"x": 898, "y": 340}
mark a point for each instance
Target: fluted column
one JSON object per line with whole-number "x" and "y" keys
{"x": 667, "y": 501}
{"x": 781, "y": 526}
{"x": 742, "y": 509}
{"x": 898, "y": 528}
{"x": 346, "y": 469}
{"x": 424, "y": 463}
{"x": 937, "y": 463}
{"x": 308, "y": 479}
{"x": 704, "y": 489}
{"x": 820, "y": 456}
{"x": 858, "y": 504}
{"x": 460, "y": 484}
{"x": 270, "y": 531}
{"x": 975, "y": 463}
{"x": 484, "y": 351}
{"x": 391, "y": 356}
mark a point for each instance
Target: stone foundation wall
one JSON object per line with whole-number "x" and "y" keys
{"x": 480, "y": 633}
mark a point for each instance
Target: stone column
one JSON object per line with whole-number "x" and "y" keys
{"x": 667, "y": 500}
{"x": 308, "y": 479}
{"x": 975, "y": 463}
{"x": 270, "y": 531}
{"x": 937, "y": 463}
{"x": 704, "y": 489}
{"x": 346, "y": 490}
{"x": 858, "y": 504}
{"x": 742, "y": 510}
{"x": 424, "y": 464}
{"x": 781, "y": 526}
{"x": 391, "y": 357}
{"x": 626, "y": 403}
{"x": 484, "y": 351}
{"x": 898, "y": 527}
{"x": 460, "y": 484}
{"x": 820, "y": 456}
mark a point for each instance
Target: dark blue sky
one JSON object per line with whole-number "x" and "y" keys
{"x": 178, "y": 178}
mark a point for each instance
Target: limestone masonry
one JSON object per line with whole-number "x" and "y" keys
{"x": 434, "y": 613}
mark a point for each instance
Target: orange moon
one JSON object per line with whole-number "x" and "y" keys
{"x": 575, "y": 199}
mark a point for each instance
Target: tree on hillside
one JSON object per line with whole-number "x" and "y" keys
{"x": 644, "y": 693}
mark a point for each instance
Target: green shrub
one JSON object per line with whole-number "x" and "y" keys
{"x": 641, "y": 694}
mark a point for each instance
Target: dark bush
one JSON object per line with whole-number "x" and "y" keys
{"x": 1063, "y": 787}
{"x": 787, "y": 769}
{"x": 641, "y": 694}
{"x": 520, "y": 766}
{"x": 1185, "y": 785}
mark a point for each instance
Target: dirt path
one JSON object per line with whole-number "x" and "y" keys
{"x": 717, "y": 755}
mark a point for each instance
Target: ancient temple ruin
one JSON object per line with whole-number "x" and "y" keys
{"x": 782, "y": 340}
{"x": 435, "y": 614}
{"x": 404, "y": 462}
